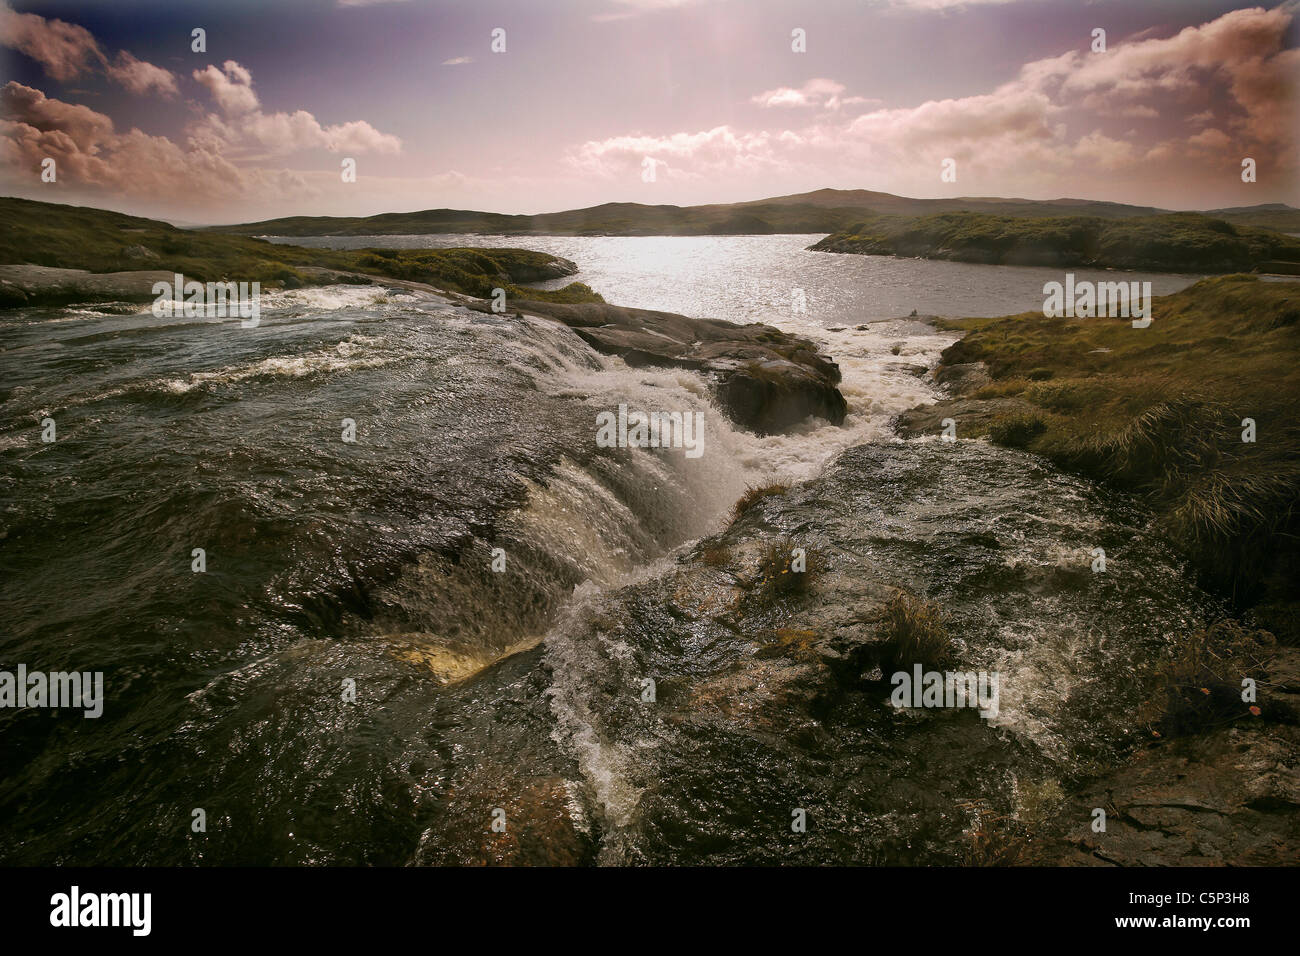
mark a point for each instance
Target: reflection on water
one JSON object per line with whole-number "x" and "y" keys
{"x": 754, "y": 278}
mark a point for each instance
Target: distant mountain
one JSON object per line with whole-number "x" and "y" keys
{"x": 823, "y": 210}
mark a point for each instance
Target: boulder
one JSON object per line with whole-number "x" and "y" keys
{"x": 765, "y": 380}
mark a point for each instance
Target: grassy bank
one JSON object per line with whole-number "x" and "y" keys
{"x": 1160, "y": 411}
{"x": 77, "y": 237}
{"x": 1179, "y": 242}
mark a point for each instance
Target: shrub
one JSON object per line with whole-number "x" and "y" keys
{"x": 1199, "y": 688}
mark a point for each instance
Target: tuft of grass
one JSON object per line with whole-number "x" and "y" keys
{"x": 753, "y": 495}
{"x": 1016, "y": 430}
{"x": 716, "y": 555}
{"x": 1199, "y": 687}
{"x": 778, "y": 579}
{"x": 913, "y": 633}
{"x": 994, "y": 839}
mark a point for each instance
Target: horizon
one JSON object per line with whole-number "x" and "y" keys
{"x": 184, "y": 224}
{"x": 656, "y": 102}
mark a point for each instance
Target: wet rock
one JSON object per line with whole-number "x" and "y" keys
{"x": 139, "y": 252}
{"x": 541, "y": 270}
{"x": 1228, "y": 798}
{"x": 964, "y": 378}
{"x": 765, "y": 379}
{"x": 770, "y": 396}
{"x": 12, "y": 296}
{"x": 43, "y": 285}
{"x": 541, "y": 823}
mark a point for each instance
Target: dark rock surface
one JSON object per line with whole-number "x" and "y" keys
{"x": 765, "y": 379}
{"x": 1227, "y": 798}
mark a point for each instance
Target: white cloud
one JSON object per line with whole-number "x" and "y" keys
{"x": 246, "y": 129}
{"x": 818, "y": 92}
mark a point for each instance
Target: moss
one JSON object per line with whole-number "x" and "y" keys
{"x": 76, "y": 237}
{"x": 1178, "y": 242}
{"x": 1016, "y": 430}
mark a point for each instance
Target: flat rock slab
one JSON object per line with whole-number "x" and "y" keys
{"x": 42, "y": 285}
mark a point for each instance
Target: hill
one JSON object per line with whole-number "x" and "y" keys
{"x": 823, "y": 210}
{"x": 1173, "y": 242}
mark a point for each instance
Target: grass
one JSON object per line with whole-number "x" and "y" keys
{"x": 779, "y": 579}
{"x": 753, "y": 495}
{"x": 76, "y": 237}
{"x": 1175, "y": 242}
{"x": 913, "y": 632}
{"x": 1159, "y": 411}
{"x": 1200, "y": 687}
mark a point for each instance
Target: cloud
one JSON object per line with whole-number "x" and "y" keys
{"x": 639, "y": 7}
{"x": 458, "y": 61}
{"x": 140, "y": 77}
{"x": 1241, "y": 54}
{"x": 66, "y": 51}
{"x": 89, "y": 152}
{"x": 246, "y": 130}
{"x": 1206, "y": 96}
{"x": 231, "y": 86}
{"x": 945, "y": 4}
{"x": 819, "y": 92}
{"x": 678, "y": 155}
{"x": 213, "y": 165}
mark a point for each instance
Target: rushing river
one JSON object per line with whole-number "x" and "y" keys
{"x": 368, "y": 564}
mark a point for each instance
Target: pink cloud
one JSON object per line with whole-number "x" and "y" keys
{"x": 66, "y": 51}
{"x": 1053, "y": 121}
{"x": 140, "y": 77}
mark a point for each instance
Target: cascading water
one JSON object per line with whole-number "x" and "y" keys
{"x": 521, "y": 690}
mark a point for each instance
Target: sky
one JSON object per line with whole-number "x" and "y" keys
{"x": 521, "y": 106}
